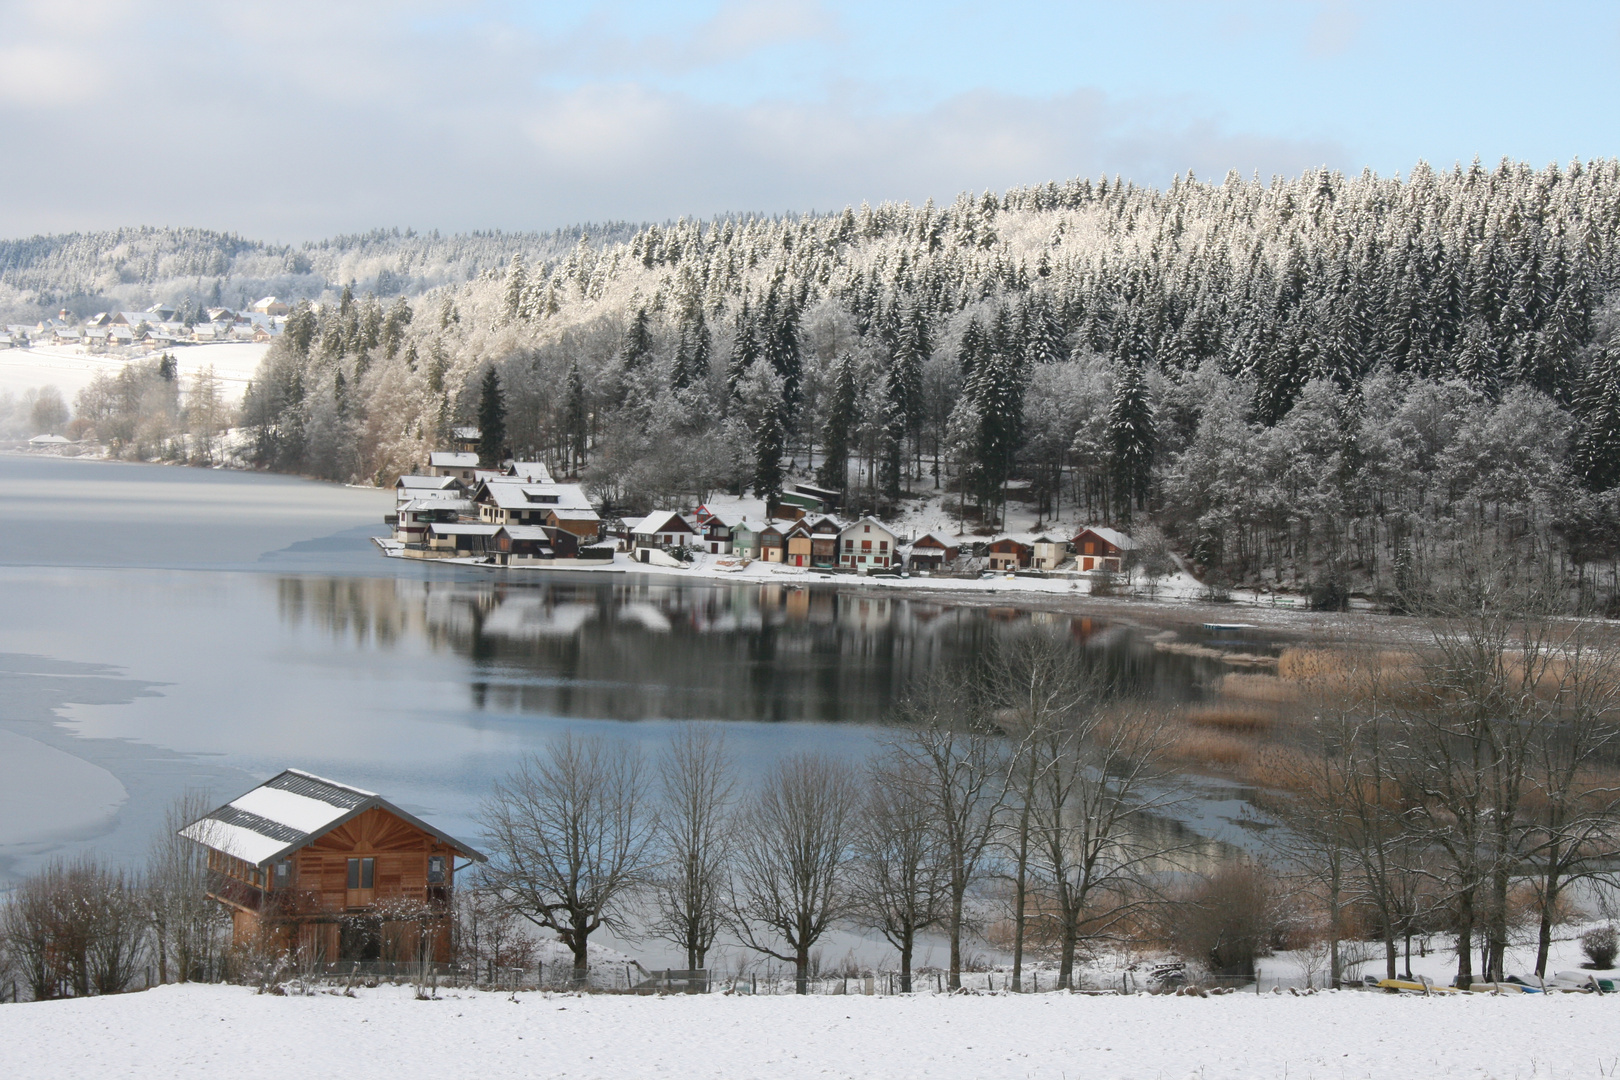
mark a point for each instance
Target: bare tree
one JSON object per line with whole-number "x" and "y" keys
{"x": 898, "y": 884}
{"x": 695, "y": 840}
{"x": 572, "y": 838}
{"x": 951, "y": 746}
{"x": 76, "y": 928}
{"x": 189, "y": 931}
{"x": 788, "y": 886}
{"x": 1105, "y": 777}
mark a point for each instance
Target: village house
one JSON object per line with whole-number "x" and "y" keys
{"x": 330, "y": 872}
{"x": 411, "y": 519}
{"x": 1050, "y": 551}
{"x": 801, "y": 500}
{"x": 1009, "y": 553}
{"x": 1099, "y": 548}
{"x": 452, "y": 463}
{"x": 661, "y": 530}
{"x": 457, "y": 539}
{"x": 771, "y": 543}
{"x": 930, "y": 551}
{"x": 714, "y": 531}
{"x": 535, "y": 472}
{"x": 745, "y": 538}
{"x": 271, "y": 306}
{"x": 466, "y": 439}
{"x": 407, "y": 488}
{"x": 867, "y": 545}
{"x": 510, "y": 501}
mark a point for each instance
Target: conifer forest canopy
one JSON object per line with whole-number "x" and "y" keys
{"x": 1404, "y": 386}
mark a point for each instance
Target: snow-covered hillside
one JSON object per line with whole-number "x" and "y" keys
{"x": 220, "y": 1031}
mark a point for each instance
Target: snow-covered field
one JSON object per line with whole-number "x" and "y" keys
{"x": 70, "y": 369}
{"x": 218, "y": 1031}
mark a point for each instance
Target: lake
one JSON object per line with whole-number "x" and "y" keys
{"x": 168, "y": 629}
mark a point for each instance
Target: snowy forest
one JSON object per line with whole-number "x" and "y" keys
{"x": 1403, "y": 387}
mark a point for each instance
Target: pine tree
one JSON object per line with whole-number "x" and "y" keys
{"x": 1596, "y": 455}
{"x": 838, "y": 430}
{"x": 744, "y": 351}
{"x": 491, "y": 420}
{"x": 692, "y": 350}
{"x": 516, "y": 283}
{"x": 1130, "y": 438}
{"x": 770, "y": 443}
{"x": 638, "y": 344}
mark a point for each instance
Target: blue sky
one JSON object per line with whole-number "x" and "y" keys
{"x": 299, "y": 119}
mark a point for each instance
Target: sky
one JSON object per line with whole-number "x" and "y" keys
{"x": 296, "y": 120}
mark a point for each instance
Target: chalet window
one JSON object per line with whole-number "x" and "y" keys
{"x": 866, "y": 545}
{"x": 435, "y": 869}
{"x": 361, "y": 873}
{"x": 883, "y": 545}
{"x": 849, "y": 545}
{"x": 283, "y": 873}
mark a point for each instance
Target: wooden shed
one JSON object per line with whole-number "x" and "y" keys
{"x": 330, "y": 872}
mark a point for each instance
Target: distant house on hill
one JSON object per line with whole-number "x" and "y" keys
{"x": 329, "y": 872}
{"x": 1099, "y": 548}
{"x": 466, "y": 439}
{"x": 270, "y": 306}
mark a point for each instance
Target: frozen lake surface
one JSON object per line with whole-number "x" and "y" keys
{"x": 169, "y": 628}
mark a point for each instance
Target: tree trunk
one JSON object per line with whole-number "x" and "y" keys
{"x": 905, "y": 967}
{"x": 1020, "y": 900}
{"x": 1465, "y": 939}
{"x": 956, "y": 939}
{"x": 1544, "y": 936}
{"x": 801, "y": 970}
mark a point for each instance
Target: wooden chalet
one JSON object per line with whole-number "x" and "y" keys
{"x": 330, "y": 872}
{"x": 459, "y": 464}
{"x": 1100, "y": 548}
{"x": 714, "y": 530}
{"x": 510, "y": 501}
{"x": 1009, "y": 553}
{"x": 771, "y": 543}
{"x": 930, "y": 551}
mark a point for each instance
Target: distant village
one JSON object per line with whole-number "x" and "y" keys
{"x": 158, "y": 327}
{"x": 517, "y": 515}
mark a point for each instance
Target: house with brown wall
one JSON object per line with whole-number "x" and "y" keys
{"x": 331, "y": 872}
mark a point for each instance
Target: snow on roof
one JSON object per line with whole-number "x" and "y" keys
{"x": 465, "y": 432}
{"x": 428, "y": 502}
{"x": 525, "y": 532}
{"x": 1113, "y": 536}
{"x": 867, "y": 521}
{"x": 529, "y": 470}
{"x": 288, "y": 811}
{"x": 511, "y": 493}
{"x": 568, "y": 513}
{"x": 750, "y": 525}
{"x": 452, "y": 459}
{"x": 937, "y": 539}
{"x": 661, "y": 521}
{"x": 427, "y": 482}
{"x": 50, "y": 440}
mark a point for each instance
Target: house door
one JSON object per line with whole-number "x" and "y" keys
{"x": 1087, "y": 565}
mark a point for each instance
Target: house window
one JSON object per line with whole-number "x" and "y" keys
{"x": 866, "y": 528}
{"x": 883, "y": 545}
{"x": 849, "y": 545}
{"x": 435, "y": 869}
{"x": 283, "y": 873}
{"x": 361, "y": 873}
{"x": 866, "y": 545}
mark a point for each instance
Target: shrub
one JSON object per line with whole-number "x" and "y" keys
{"x": 1600, "y": 945}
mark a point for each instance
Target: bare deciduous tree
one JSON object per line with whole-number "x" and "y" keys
{"x": 76, "y": 928}
{"x": 571, "y": 834}
{"x": 189, "y": 931}
{"x": 694, "y": 839}
{"x": 788, "y": 886}
{"x": 950, "y": 746}
{"x": 898, "y": 883}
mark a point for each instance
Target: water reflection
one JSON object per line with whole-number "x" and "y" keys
{"x": 628, "y": 648}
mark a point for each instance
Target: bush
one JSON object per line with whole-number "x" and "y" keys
{"x": 1229, "y": 921}
{"x": 1600, "y": 945}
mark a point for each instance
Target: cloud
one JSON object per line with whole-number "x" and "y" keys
{"x": 319, "y": 121}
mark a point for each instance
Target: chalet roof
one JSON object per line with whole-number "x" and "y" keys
{"x": 525, "y": 532}
{"x": 661, "y": 521}
{"x": 574, "y": 513}
{"x": 1009, "y": 538}
{"x": 937, "y": 541}
{"x": 465, "y": 433}
{"x": 1113, "y": 536}
{"x": 459, "y": 506}
{"x": 50, "y": 440}
{"x": 534, "y": 471}
{"x": 867, "y": 521}
{"x": 748, "y": 525}
{"x": 513, "y": 494}
{"x": 457, "y": 528}
{"x": 433, "y": 482}
{"x": 452, "y": 459}
{"x": 291, "y": 810}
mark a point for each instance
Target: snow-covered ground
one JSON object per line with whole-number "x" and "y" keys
{"x": 70, "y": 369}
{"x": 208, "y": 1032}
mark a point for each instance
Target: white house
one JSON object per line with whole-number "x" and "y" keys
{"x": 867, "y": 545}
{"x": 662, "y": 530}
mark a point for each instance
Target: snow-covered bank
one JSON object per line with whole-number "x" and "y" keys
{"x": 215, "y": 1031}
{"x": 70, "y": 369}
